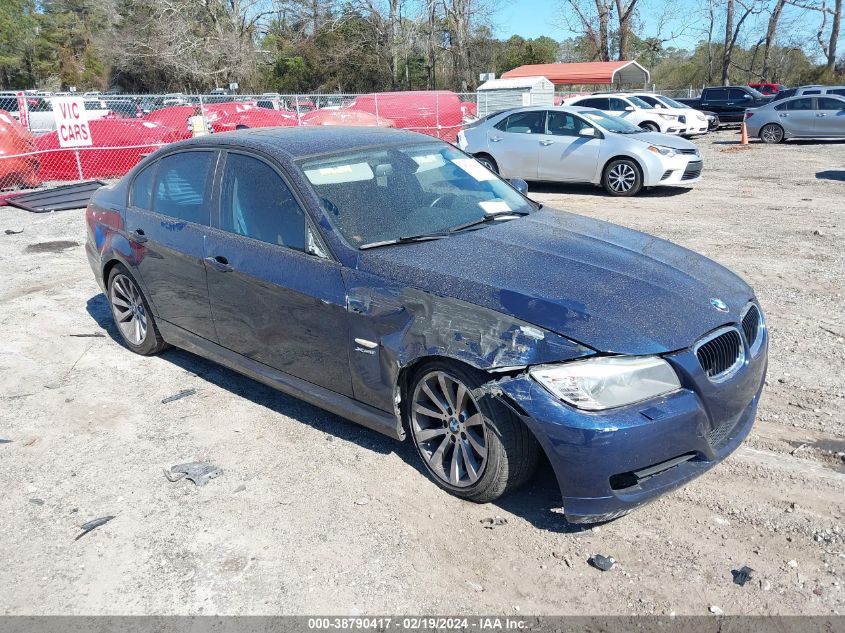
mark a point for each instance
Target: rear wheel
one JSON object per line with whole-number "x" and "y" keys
{"x": 488, "y": 162}
{"x": 472, "y": 445}
{"x": 622, "y": 177}
{"x": 771, "y": 133}
{"x": 132, "y": 314}
{"x": 651, "y": 127}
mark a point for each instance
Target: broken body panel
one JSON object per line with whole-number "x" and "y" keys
{"x": 543, "y": 289}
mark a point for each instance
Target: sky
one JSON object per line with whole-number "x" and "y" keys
{"x": 533, "y": 18}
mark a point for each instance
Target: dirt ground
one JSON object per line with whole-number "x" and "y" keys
{"x": 315, "y": 515}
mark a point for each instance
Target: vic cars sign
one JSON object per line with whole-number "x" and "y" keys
{"x": 71, "y": 122}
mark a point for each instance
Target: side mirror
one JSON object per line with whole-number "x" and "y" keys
{"x": 587, "y": 131}
{"x": 746, "y": 96}
{"x": 520, "y": 185}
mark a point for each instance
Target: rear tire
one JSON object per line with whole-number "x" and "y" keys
{"x": 132, "y": 314}
{"x": 622, "y": 177}
{"x": 650, "y": 127}
{"x": 472, "y": 445}
{"x": 488, "y": 162}
{"x": 771, "y": 133}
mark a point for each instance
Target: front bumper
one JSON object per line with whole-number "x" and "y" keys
{"x": 609, "y": 463}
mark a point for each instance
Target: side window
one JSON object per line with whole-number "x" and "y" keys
{"x": 716, "y": 94}
{"x": 811, "y": 92}
{"x": 141, "y": 195}
{"x": 826, "y": 103}
{"x": 9, "y": 104}
{"x": 595, "y": 102}
{"x": 837, "y": 91}
{"x": 800, "y": 104}
{"x": 564, "y": 124}
{"x": 523, "y": 123}
{"x": 255, "y": 202}
{"x": 617, "y": 105}
{"x": 181, "y": 186}
{"x": 735, "y": 94}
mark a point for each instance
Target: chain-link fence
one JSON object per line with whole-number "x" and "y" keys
{"x": 49, "y": 138}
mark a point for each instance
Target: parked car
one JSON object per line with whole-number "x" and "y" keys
{"x": 19, "y": 164}
{"x": 39, "y": 111}
{"x": 728, "y": 102}
{"x": 434, "y": 112}
{"x": 696, "y": 122}
{"x": 126, "y": 108}
{"x": 767, "y": 89}
{"x": 388, "y": 277}
{"x": 816, "y": 90}
{"x": 576, "y": 144}
{"x": 633, "y": 109}
{"x": 821, "y": 116}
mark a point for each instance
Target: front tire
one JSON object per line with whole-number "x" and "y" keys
{"x": 650, "y": 127}
{"x": 472, "y": 445}
{"x": 622, "y": 177}
{"x": 771, "y": 133}
{"x": 488, "y": 162}
{"x": 132, "y": 314}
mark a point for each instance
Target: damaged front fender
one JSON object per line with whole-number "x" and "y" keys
{"x": 393, "y": 327}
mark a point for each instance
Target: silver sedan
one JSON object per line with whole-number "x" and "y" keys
{"x": 576, "y": 144}
{"x": 818, "y": 116}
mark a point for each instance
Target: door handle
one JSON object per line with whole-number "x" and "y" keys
{"x": 820, "y": 114}
{"x": 546, "y": 142}
{"x": 496, "y": 139}
{"x": 137, "y": 236}
{"x": 219, "y": 263}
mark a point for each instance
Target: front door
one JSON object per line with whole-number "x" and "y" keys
{"x": 514, "y": 144}
{"x": 166, "y": 222}
{"x": 564, "y": 153}
{"x": 830, "y": 117}
{"x": 272, "y": 301}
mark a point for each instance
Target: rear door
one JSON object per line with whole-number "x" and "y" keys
{"x": 515, "y": 143}
{"x": 798, "y": 116}
{"x": 564, "y": 153}
{"x": 830, "y": 116}
{"x": 167, "y": 219}
{"x": 272, "y": 300}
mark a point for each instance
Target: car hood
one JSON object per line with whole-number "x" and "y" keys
{"x": 601, "y": 285}
{"x": 664, "y": 140}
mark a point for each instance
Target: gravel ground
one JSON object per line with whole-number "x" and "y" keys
{"x": 313, "y": 514}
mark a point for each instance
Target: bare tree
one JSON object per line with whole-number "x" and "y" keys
{"x": 771, "y": 33}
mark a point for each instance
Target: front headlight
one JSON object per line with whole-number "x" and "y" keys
{"x": 668, "y": 117}
{"x": 663, "y": 151}
{"x": 595, "y": 384}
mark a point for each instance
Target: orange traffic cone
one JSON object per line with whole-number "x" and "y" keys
{"x": 744, "y": 138}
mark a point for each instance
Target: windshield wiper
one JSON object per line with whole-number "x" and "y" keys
{"x": 487, "y": 218}
{"x": 425, "y": 237}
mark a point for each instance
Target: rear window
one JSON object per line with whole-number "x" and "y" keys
{"x": 141, "y": 195}
{"x": 181, "y": 186}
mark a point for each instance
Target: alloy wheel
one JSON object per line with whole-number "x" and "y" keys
{"x": 449, "y": 429}
{"x": 622, "y": 177}
{"x": 771, "y": 134}
{"x": 487, "y": 163}
{"x": 128, "y": 309}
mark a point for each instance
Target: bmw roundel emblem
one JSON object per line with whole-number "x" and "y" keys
{"x": 720, "y": 305}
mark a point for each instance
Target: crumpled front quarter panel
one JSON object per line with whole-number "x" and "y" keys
{"x": 409, "y": 324}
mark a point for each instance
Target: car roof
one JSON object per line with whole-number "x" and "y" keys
{"x": 293, "y": 143}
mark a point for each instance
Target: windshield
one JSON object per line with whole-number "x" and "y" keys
{"x": 398, "y": 192}
{"x": 640, "y": 102}
{"x": 672, "y": 103}
{"x": 611, "y": 123}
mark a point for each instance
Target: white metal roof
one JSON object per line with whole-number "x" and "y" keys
{"x": 516, "y": 82}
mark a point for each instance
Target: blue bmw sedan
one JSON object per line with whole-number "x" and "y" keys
{"x": 391, "y": 279}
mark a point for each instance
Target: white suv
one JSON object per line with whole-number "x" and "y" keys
{"x": 634, "y": 110}
{"x": 696, "y": 122}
